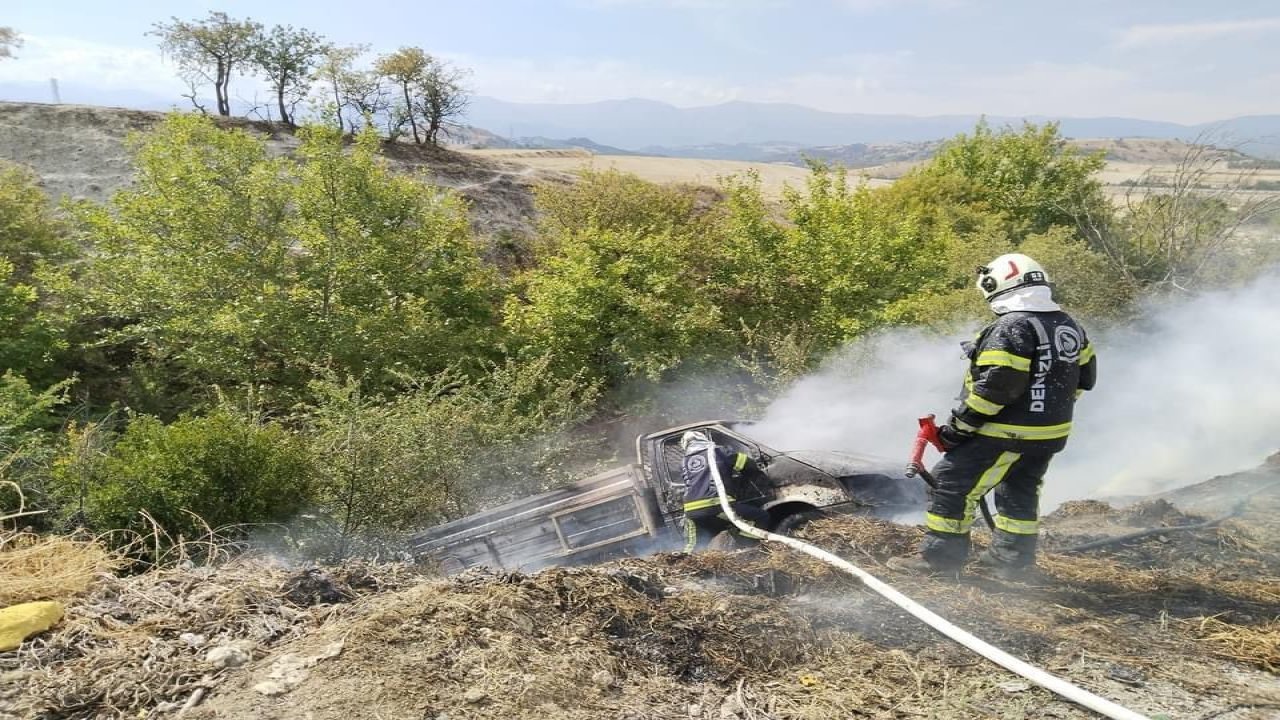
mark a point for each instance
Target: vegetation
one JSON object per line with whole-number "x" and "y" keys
{"x": 243, "y": 340}
{"x": 10, "y": 40}
{"x": 408, "y": 86}
{"x": 209, "y": 51}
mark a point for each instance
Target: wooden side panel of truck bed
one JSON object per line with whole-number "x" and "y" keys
{"x": 575, "y": 521}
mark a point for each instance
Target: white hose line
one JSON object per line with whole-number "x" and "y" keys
{"x": 1036, "y": 675}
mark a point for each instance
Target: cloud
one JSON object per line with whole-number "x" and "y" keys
{"x": 574, "y": 80}
{"x": 1140, "y": 36}
{"x": 107, "y": 67}
{"x": 102, "y": 65}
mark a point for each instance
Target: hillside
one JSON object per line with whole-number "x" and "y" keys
{"x": 80, "y": 152}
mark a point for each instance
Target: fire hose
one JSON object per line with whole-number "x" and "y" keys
{"x": 1040, "y": 677}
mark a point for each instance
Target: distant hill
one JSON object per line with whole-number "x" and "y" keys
{"x": 728, "y": 130}
{"x": 578, "y": 143}
{"x": 856, "y": 155}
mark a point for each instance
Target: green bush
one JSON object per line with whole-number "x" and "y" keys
{"x": 446, "y": 448}
{"x": 26, "y": 445}
{"x": 218, "y": 470}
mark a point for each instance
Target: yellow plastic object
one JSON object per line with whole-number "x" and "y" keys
{"x": 19, "y": 622}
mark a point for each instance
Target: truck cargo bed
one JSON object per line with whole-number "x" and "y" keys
{"x": 567, "y": 524}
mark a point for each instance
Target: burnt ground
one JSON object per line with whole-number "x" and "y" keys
{"x": 1179, "y": 624}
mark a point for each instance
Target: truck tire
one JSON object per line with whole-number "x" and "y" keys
{"x": 795, "y": 521}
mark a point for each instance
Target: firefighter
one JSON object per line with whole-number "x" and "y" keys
{"x": 703, "y": 516}
{"x": 1026, "y": 370}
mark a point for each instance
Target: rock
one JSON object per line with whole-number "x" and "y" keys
{"x": 192, "y": 639}
{"x": 271, "y": 688}
{"x": 226, "y": 656}
{"x": 475, "y": 695}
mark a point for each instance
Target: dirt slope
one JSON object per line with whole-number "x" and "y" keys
{"x": 79, "y": 152}
{"x": 1178, "y": 624}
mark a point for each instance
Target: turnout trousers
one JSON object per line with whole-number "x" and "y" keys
{"x": 964, "y": 476}
{"x": 700, "y": 526}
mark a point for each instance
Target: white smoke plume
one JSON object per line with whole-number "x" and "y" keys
{"x": 1189, "y": 391}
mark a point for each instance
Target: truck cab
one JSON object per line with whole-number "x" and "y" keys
{"x": 792, "y": 485}
{"x": 637, "y": 508}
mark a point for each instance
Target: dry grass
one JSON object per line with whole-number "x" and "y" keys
{"x": 49, "y": 568}
{"x": 33, "y": 567}
{"x": 1256, "y": 645}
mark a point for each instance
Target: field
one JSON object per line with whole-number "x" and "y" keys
{"x": 1129, "y": 162}
{"x": 773, "y": 176}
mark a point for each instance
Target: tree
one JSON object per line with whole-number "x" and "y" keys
{"x": 408, "y": 68}
{"x": 442, "y": 98}
{"x": 1030, "y": 176}
{"x": 334, "y": 65}
{"x": 288, "y": 58}
{"x": 387, "y": 277}
{"x": 221, "y": 265}
{"x": 10, "y": 40}
{"x": 34, "y": 249}
{"x": 1188, "y": 226}
{"x": 367, "y": 95}
{"x": 209, "y": 51}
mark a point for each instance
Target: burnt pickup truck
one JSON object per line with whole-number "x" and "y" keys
{"x": 636, "y": 509}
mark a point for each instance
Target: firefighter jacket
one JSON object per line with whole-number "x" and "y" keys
{"x": 699, "y": 486}
{"x": 1026, "y": 370}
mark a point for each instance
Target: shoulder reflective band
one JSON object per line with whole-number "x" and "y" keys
{"x": 981, "y": 404}
{"x": 1086, "y": 355}
{"x": 1003, "y": 359}
{"x": 740, "y": 461}
{"x": 1025, "y": 432}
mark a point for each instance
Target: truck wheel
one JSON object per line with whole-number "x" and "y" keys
{"x": 793, "y": 522}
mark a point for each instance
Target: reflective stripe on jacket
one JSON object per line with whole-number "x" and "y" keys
{"x": 1025, "y": 371}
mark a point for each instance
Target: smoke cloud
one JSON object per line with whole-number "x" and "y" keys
{"x": 1188, "y": 391}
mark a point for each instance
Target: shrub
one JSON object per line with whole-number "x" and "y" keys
{"x": 444, "y": 449}
{"x": 221, "y": 469}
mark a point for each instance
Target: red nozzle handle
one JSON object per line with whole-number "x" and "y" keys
{"x": 928, "y": 435}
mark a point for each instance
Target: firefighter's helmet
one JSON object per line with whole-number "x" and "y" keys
{"x": 694, "y": 436}
{"x": 1009, "y": 272}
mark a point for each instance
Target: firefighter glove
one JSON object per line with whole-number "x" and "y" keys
{"x": 952, "y": 436}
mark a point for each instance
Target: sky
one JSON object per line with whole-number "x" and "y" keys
{"x": 1178, "y": 60}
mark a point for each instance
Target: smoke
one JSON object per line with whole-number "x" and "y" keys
{"x": 1189, "y": 390}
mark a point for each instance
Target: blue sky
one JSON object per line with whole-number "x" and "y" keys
{"x": 1172, "y": 60}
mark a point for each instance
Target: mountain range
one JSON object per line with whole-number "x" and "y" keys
{"x": 733, "y": 128}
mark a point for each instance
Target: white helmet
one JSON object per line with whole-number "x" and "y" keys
{"x": 1009, "y": 272}
{"x": 694, "y": 436}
